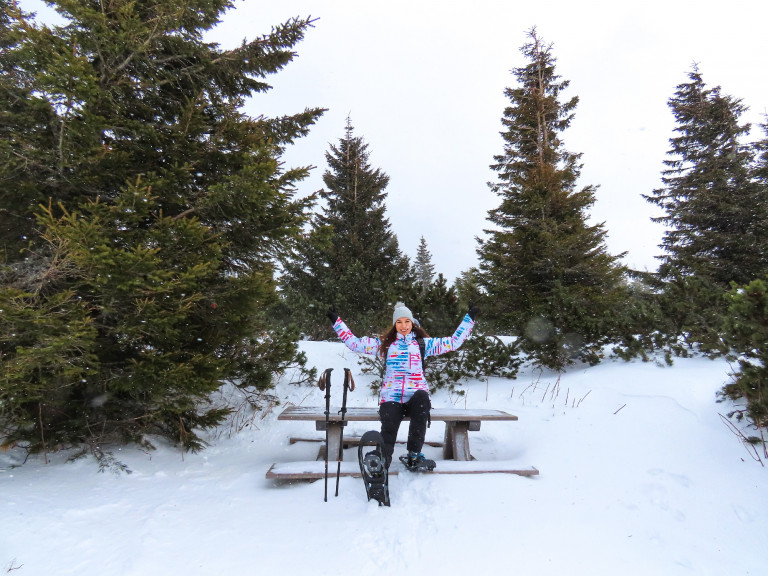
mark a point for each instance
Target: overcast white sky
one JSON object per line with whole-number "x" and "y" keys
{"x": 423, "y": 84}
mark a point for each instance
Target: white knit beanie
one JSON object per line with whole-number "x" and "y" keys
{"x": 402, "y": 311}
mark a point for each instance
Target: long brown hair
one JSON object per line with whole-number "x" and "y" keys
{"x": 389, "y": 336}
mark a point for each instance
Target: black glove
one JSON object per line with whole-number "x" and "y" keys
{"x": 332, "y": 315}
{"x": 473, "y": 311}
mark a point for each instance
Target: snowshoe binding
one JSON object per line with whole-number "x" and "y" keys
{"x": 373, "y": 467}
{"x": 417, "y": 462}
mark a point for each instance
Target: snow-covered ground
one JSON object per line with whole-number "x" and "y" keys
{"x": 639, "y": 474}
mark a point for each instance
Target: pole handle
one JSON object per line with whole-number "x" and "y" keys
{"x": 349, "y": 382}
{"x": 325, "y": 378}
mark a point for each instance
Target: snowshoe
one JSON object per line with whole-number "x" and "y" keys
{"x": 417, "y": 462}
{"x": 373, "y": 468}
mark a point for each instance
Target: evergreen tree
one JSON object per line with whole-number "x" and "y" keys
{"x": 546, "y": 271}
{"x": 746, "y": 332}
{"x": 424, "y": 269}
{"x": 746, "y": 324}
{"x": 438, "y": 309}
{"x": 467, "y": 287}
{"x": 149, "y": 211}
{"x": 716, "y": 213}
{"x": 760, "y": 163}
{"x": 26, "y": 133}
{"x": 350, "y": 259}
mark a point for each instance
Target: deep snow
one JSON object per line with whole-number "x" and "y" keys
{"x": 638, "y": 475}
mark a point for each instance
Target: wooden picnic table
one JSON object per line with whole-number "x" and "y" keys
{"x": 458, "y": 423}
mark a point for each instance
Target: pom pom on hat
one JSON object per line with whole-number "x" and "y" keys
{"x": 402, "y": 311}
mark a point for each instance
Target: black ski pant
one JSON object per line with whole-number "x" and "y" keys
{"x": 391, "y": 415}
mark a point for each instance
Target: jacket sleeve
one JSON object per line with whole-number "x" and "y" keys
{"x": 437, "y": 346}
{"x": 365, "y": 345}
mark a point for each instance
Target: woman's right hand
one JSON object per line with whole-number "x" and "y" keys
{"x": 332, "y": 315}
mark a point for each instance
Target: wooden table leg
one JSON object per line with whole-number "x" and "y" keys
{"x": 456, "y": 443}
{"x": 334, "y": 440}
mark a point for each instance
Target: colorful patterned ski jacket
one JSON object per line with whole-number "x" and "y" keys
{"x": 404, "y": 375}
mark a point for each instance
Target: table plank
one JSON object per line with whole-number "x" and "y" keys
{"x": 315, "y": 470}
{"x": 368, "y": 414}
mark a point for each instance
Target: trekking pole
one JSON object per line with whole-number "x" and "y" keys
{"x": 325, "y": 384}
{"x": 349, "y": 384}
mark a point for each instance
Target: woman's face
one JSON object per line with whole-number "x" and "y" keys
{"x": 403, "y": 326}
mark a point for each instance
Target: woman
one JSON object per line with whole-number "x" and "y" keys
{"x": 404, "y": 391}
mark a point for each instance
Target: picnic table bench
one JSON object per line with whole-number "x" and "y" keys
{"x": 458, "y": 423}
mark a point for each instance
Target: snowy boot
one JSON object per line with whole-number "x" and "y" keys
{"x": 417, "y": 462}
{"x": 373, "y": 468}
{"x": 373, "y": 463}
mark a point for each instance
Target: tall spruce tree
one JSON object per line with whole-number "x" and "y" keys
{"x": 547, "y": 273}
{"x": 143, "y": 212}
{"x": 424, "y": 269}
{"x": 351, "y": 258}
{"x": 760, "y": 163}
{"x": 716, "y": 212}
{"x": 26, "y": 133}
